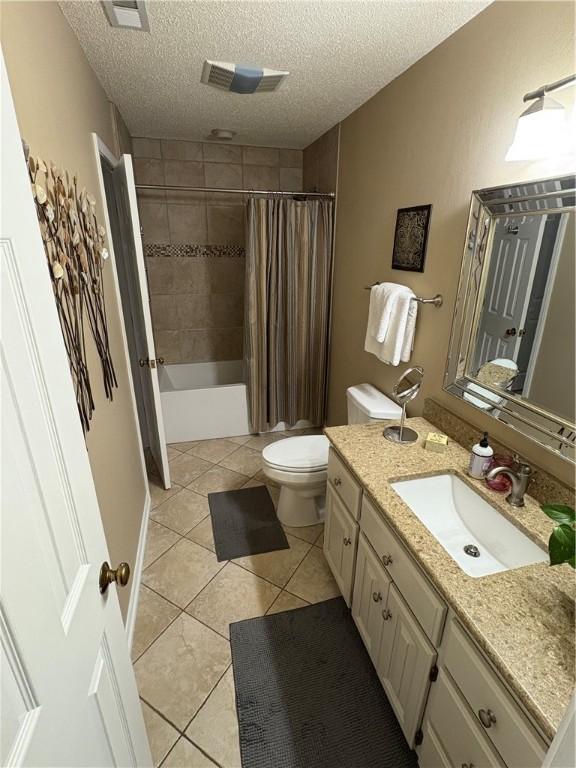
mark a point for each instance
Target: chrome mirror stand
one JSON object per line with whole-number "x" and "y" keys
{"x": 399, "y": 433}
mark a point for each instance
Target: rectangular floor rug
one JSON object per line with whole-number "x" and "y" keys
{"x": 244, "y": 523}
{"x": 307, "y": 694}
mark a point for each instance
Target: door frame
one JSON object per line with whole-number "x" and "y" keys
{"x": 102, "y": 151}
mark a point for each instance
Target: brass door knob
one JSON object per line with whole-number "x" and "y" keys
{"x": 108, "y": 575}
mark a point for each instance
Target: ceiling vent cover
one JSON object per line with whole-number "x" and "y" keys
{"x": 239, "y": 78}
{"x": 129, "y": 14}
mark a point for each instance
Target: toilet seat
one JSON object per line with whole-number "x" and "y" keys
{"x": 306, "y": 454}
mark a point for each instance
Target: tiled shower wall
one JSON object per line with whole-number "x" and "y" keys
{"x": 194, "y": 242}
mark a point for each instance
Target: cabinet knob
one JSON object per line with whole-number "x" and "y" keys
{"x": 467, "y": 765}
{"x": 487, "y": 717}
{"x": 387, "y": 559}
{"x": 376, "y": 596}
{"x": 337, "y": 481}
{"x": 347, "y": 541}
{"x": 386, "y": 614}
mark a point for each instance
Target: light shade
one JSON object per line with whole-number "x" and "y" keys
{"x": 542, "y": 132}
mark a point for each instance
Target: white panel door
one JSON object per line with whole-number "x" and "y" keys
{"x": 405, "y": 660}
{"x": 69, "y": 696}
{"x": 371, "y": 584}
{"x": 340, "y": 537}
{"x": 124, "y": 174}
{"x": 513, "y": 260}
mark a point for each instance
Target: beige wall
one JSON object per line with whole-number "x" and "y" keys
{"x": 321, "y": 162}
{"x": 433, "y": 135}
{"x": 59, "y": 102}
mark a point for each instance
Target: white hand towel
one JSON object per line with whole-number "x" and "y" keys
{"x": 388, "y": 298}
{"x": 388, "y": 319}
{"x": 393, "y": 343}
{"x": 378, "y": 307}
{"x": 408, "y": 344}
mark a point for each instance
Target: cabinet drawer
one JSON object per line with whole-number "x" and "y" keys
{"x": 511, "y": 733}
{"x": 451, "y": 736}
{"x": 345, "y": 485}
{"x": 426, "y": 604}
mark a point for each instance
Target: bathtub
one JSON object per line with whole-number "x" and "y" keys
{"x": 203, "y": 400}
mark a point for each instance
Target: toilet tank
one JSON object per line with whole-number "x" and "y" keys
{"x": 366, "y": 404}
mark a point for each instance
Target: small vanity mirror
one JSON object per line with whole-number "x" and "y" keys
{"x": 512, "y": 349}
{"x": 405, "y": 390}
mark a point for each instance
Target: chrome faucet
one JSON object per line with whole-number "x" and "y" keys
{"x": 519, "y": 479}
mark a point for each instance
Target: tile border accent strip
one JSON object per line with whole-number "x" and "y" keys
{"x": 193, "y": 250}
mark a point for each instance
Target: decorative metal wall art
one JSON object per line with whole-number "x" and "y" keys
{"x": 411, "y": 237}
{"x": 75, "y": 249}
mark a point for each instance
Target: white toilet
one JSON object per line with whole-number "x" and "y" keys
{"x": 299, "y": 464}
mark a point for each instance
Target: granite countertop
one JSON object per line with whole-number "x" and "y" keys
{"x": 495, "y": 375}
{"x": 523, "y": 619}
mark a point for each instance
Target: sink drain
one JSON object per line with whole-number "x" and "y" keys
{"x": 472, "y": 550}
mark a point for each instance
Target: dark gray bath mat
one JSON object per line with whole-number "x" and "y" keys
{"x": 307, "y": 695}
{"x": 244, "y": 523}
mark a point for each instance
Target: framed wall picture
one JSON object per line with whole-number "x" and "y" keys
{"x": 411, "y": 238}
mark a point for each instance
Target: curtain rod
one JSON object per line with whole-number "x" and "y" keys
{"x": 329, "y": 195}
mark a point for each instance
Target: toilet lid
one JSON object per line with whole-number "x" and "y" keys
{"x": 298, "y": 454}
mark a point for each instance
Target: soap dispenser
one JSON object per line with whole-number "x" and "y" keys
{"x": 480, "y": 458}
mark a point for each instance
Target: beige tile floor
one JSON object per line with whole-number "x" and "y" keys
{"x": 181, "y": 650}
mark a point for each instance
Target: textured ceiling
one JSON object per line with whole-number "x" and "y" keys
{"x": 339, "y": 54}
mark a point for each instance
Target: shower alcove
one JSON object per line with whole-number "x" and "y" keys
{"x": 194, "y": 250}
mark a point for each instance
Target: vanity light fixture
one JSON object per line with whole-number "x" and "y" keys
{"x": 542, "y": 130}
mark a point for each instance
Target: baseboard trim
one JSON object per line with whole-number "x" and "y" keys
{"x": 137, "y": 572}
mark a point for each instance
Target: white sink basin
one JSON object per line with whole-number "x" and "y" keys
{"x": 458, "y": 517}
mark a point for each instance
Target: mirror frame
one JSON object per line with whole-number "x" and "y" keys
{"x": 555, "y": 194}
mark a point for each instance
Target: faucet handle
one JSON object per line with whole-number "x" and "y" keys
{"x": 523, "y": 467}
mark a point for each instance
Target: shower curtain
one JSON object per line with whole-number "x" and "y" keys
{"x": 288, "y": 277}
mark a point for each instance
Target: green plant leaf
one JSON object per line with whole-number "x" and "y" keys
{"x": 562, "y": 545}
{"x": 560, "y": 513}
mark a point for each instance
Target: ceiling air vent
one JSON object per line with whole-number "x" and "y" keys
{"x": 239, "y": 78}
{"x": 129, "y": 14}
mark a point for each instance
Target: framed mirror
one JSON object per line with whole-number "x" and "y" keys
{"x": 512, "y": 347}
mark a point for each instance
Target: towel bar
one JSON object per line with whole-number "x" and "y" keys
{"x": 436, "y": 300}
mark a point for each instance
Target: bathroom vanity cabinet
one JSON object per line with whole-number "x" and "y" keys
{"x": 450, "y": 703}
